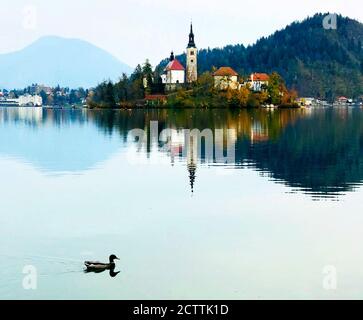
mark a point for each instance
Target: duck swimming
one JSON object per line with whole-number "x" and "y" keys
{"x": 98, "y": 267}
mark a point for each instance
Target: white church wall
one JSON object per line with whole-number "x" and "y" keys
{"x": 178, "y": 76}
{"x": 175, "y": 76}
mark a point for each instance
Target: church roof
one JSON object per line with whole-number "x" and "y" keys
{"x": 260, "y": 77}
{"x": 191, "y": 43}
{"x": 225, "y": 72}
{"x": 174, "y": 65}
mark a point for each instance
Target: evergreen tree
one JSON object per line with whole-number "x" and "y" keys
{"x": 109, "y": 96}
{"x": 44, "y": 96}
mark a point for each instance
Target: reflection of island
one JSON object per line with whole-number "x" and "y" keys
{"x": 258, "y": 132}
{"x": 321, "y": 154}
{"x": 319, "y": 151}
{"x": 316, "y": 151}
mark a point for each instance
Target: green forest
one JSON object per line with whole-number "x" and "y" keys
{"x": 309, "y": 61}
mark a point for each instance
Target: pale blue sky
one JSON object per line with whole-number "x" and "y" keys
{"x": 133, "y": 30}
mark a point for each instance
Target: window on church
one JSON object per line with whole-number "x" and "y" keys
{"x": 192, "y": 61}
{"x": 192, "y": 53}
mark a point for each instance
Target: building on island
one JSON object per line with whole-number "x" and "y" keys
{"x": 192, "y": 58}
{"x": 175, "y": 73}
{"x": 226, "y": 78}
{"x": 258, "y": 81}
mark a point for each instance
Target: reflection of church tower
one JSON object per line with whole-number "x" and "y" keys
{"x": 192, "y": 168}
{"x": 192, "y": 63}
{"x": 192, "y": 159}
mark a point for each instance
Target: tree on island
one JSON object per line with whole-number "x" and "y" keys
{"x": 44, "y": 96}
{"x": 147, "y": 72}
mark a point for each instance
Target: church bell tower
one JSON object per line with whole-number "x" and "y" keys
{"x": 192, "y": 58}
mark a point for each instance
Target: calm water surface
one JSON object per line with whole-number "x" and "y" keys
{"x": 75, "y": 186}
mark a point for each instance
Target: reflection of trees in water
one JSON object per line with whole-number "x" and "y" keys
{"x": 319, "y": 151}
{"x": 321, "y": 154}
{"x": 243, "y": 121}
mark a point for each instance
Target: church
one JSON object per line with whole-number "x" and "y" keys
{"x": 175, "y": 73}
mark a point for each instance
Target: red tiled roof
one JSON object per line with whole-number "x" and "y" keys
{"x": 225, "y": 72}
{"x": 153, "y": 97}
{"x": 174, "y": 65}
{"x": 260, "y": 77}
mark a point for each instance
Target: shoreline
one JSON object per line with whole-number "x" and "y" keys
{"x": 145, "y": 107}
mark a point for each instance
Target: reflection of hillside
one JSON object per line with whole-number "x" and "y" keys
{"x": 318, "y": 151}
{"x": 321, "y": 154}
{"x": 260, "y": 124}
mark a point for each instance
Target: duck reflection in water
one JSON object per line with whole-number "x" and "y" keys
{"x": 99, "y": 267}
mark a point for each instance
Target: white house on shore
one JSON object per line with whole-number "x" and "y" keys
{"x": 23, "y": 101}
{"x": 29, "y": 100}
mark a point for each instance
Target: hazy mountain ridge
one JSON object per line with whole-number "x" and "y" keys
{"x": 53, "y": 60}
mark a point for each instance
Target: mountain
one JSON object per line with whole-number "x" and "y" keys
{"x": 53, "y": 60}
{"x": 315, "y": 61}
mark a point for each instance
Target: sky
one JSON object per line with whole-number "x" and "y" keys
{"x": 133, "y": 30}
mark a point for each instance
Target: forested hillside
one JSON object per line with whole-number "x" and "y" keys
{"x": 313, "y": 60}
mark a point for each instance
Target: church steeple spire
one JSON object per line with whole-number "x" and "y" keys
{"x": 192, "y": 58}
{"x": 192, "y": 168}
{"x": 192, "y": 160}
{"x": 191, "y": 43}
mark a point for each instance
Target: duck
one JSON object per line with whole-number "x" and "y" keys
{"x": 98, "y": 267}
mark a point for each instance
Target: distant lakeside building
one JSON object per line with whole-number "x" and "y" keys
{"x": 30, "y": 100}
{"x": 22, "y": 101}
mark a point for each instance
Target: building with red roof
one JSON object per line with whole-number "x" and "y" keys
{"x": 225, "y": 72}
{"x": 226, "y": 77}
{"x": 258, "y": 81}
{"x": 260, "y": 77}
{"x": 174, "y": 65}
{"x": 174, "y": 73}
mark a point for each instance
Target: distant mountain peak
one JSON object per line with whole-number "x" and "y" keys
{"x": 54, "y": 60}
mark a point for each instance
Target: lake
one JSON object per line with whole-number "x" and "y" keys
{"x": 281, "y": 218}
